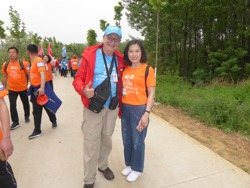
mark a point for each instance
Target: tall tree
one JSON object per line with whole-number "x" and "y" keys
{"x": 91, "y": 37}
{"x": 191, "y": 30}
{"x": 103, "y": 25}
{"x": 17, "y": 28}
{"x": 2, "y": 36}
{"x": 118, "y": 13}
{"x": 35, "y": 38}
{"x": 158, "y": 6}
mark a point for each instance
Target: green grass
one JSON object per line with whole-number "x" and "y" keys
{"x": 218, "y": 105}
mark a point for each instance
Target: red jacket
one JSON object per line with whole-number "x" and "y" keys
{"x": 85, "y": 73}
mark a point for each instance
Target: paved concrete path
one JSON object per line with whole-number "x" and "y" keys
{"x": 173, "y": 159}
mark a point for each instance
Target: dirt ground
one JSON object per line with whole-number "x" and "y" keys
{"x": 232, "y": 147}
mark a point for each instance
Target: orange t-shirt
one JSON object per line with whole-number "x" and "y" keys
{"x": 17, "y": 80}
{"x": 74, "y": 64}
{"x": 49, "y": 75}
{"x": 37, "y": 66}
{"x": 133, "y": 79}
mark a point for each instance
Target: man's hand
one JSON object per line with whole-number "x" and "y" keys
{"x": 6, "y": 148}
{"x": 41, "y": 91}
{"x": 88, "y": 91}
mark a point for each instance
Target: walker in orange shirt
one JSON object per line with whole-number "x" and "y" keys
{"x": 15, "y": 78}
{"x": 37, "y": 66}
{"x": 38, "y": 82}
{"x": 15, "y": 74}
{"x": 49, "y": 70}
{"x": 136, "y": 107}
{"x": 75, "y": 64}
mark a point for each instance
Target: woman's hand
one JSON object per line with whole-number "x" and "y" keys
{"x": 143, "y": 123}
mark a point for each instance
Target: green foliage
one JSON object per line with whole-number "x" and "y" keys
{"x": 122, "y": 46}
{"x": 75, "y": 49}
{"x": 103, "y": 25}
{"x": 91, "y": 37}
{"x": 190, "y": 31}
{"x": 225, "y": 64}
{"x": 223, "y": 106}
{"x": 2, "y": 36}
{"x": 2, "y": 30}
{"x": 118, "y": 13}
{"x": 199, "y": 77}
{"x": 17, "y": 29}
{"x": 35, "y": 38}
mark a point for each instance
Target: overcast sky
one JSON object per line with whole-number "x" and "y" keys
{"x": 67, "y": 20}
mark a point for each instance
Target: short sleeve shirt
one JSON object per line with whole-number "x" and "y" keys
{"x": 17, "y": 77}
{"x": 49, "y": 72}
{"x": 37, "y": 66}
{"x": 134, "y": 89}
{"x": 74, "y": 63}
{"x": 100, "y": 73}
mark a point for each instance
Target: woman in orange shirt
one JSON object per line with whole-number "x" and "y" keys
{"x": 137, "y": 101}
{"x": 49, "y": 70}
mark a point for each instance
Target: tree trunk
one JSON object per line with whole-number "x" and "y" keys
{"x": 2, "y": 59}
{"x": 184, "y": 65}
{"x": 157, "y": 43}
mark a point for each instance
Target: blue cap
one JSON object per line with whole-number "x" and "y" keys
{"x": 113, "y": 29}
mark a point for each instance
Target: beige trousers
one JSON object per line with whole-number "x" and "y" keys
{"x": 97, "y": 130}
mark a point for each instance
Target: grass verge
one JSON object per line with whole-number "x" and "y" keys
{"x": 223, "y": 106}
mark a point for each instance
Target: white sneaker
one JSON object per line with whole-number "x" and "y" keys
{"x": 126, "y": 171}
{"x": 134, "y": 175}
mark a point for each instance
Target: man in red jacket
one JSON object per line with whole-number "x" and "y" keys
{"x": 98, "y": 63}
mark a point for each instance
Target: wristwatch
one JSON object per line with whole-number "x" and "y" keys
{"x": 147, "y": 111}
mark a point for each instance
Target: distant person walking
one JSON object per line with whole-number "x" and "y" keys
{"x": 137, "y": 101}
{"x": 74, "y": 67}
{"x": 70, "y": 67}
{"x": 98, "y": 80}
{"x": 7, "y": 179}
{"x": 49, "y": 69}
{"x": 15, "y": 76}
{"x": 37, "y": 87}
{"x": 64, "y": 67}
{"x": 56, "y": 67}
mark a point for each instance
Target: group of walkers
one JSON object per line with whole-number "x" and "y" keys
{"x": 17, "y": 74}
{"x": 68, "y": 66}
{"x": 110, "y": 84}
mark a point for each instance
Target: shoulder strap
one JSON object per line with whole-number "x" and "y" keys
{"x": 146, "y": 75}
{"x": 111, "y": 66}
{"x": 6, "y": 65}
{"x": 21, "y": 64}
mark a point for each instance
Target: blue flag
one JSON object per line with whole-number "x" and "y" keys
{"x": 64, "y": 52}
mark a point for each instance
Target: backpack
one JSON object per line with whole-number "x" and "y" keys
{"x": 20, "y": 63}
{"x": 146, "y": 75}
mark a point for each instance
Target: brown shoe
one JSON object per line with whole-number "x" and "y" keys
{"x": 108, "y": 174}
{"x": 88, "y": 185}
